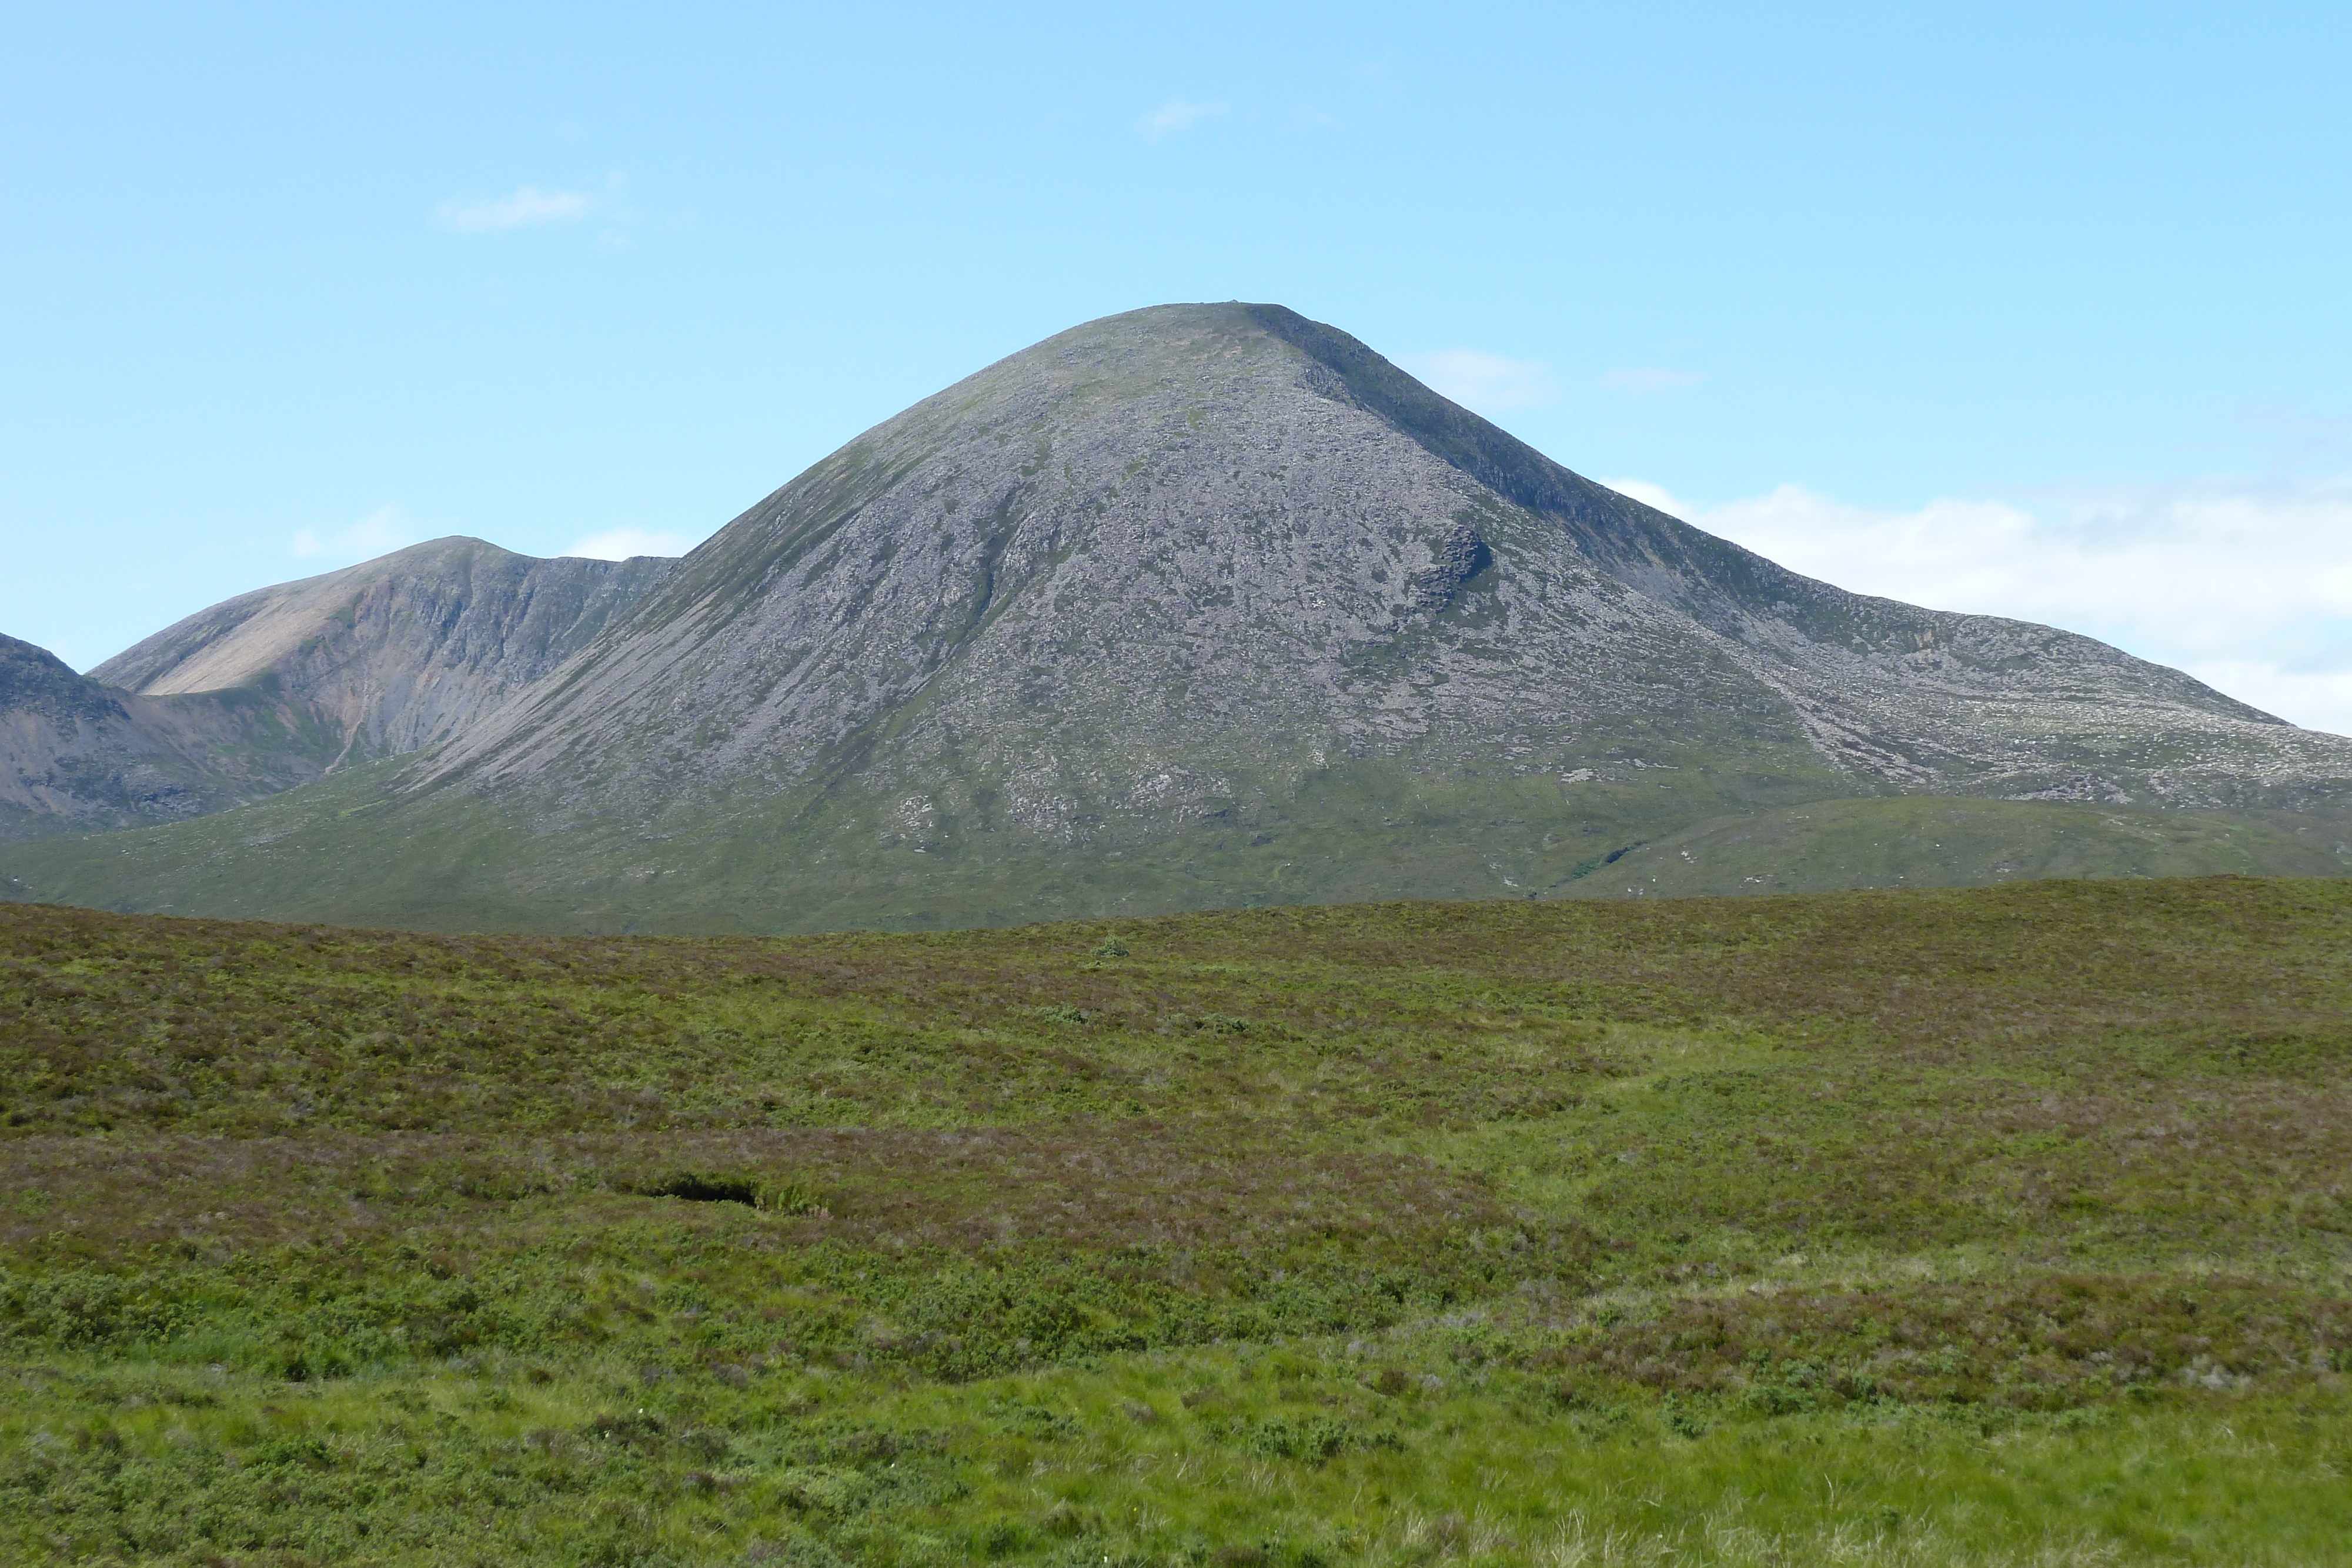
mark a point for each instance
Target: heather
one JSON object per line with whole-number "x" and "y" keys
{"x": 2005, "y": 1225}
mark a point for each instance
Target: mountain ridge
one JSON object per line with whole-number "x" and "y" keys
{"x": 401, "y": 651}
{"x": 280, "y": 686}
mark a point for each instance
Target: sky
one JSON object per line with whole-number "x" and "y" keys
{"x": 2033, "y": 310}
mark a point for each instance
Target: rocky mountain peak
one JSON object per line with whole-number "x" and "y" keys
{"x": 1109, "y": 570}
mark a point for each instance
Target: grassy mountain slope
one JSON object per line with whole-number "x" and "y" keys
{"x": 349, "y": 849}
{"x": 343, "y": 851}
{"x": 1996, "y": 1226}
{"x": 1925, "y": 841}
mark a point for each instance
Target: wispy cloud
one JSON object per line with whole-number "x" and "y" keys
{"x": 620, "y": 544}
{"x": 1650, "y": 379}
{"x": 385, "y": 528}
{"x": 2246, "y": 584}
{"x": 1482, "y": 380}
{"x": 1179, "y": 114}
{"x": 529, "y": 207}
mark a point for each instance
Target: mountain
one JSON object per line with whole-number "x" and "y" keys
{"x": 283, "y": 685}
{"x": 399, "y": 651}
{"x": 1209, "y": 605}
{"x": 78, "y": 757}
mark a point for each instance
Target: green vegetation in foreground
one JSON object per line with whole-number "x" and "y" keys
{"x": 2004, "y": 1225}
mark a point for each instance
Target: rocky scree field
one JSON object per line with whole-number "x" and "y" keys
{"x": 1998, "y": 1226}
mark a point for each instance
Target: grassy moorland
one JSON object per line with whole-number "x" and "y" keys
{"x": 2005, "y": 1226}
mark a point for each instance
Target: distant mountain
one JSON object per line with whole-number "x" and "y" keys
{"x": 401, "y": 651}
{"x": 78, "y": 757}
{"x": 280, "y": 686}
{"x": 1209, "y": 605}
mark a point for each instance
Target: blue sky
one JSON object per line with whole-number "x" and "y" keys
{"x": 2035, "y": 310}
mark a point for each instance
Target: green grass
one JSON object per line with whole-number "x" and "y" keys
{"x": 836, "y": 854}
{"x": 1952, "y": 841}
{"x": 2002, "y": 1226}
{"x": 1727, "y": 814}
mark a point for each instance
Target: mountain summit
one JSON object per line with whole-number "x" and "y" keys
{"x": 1208, "y": 604}
{"x": 1105, "y": 573}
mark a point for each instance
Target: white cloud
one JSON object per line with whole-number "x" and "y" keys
{"x": 381, "y": 531}
{"x": 2315, "y": 700}
{"x": 2247, "y": 585}
{"x": 620, "y": 544}
{"x": 529, "y": 206}
{"x": 524, "y": 208}
{"x": 1179, "y": 114}
{"x": 1656, "y": 496}
{"x": 1649, "y": 379}
{"x": 1482, "y": 380}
